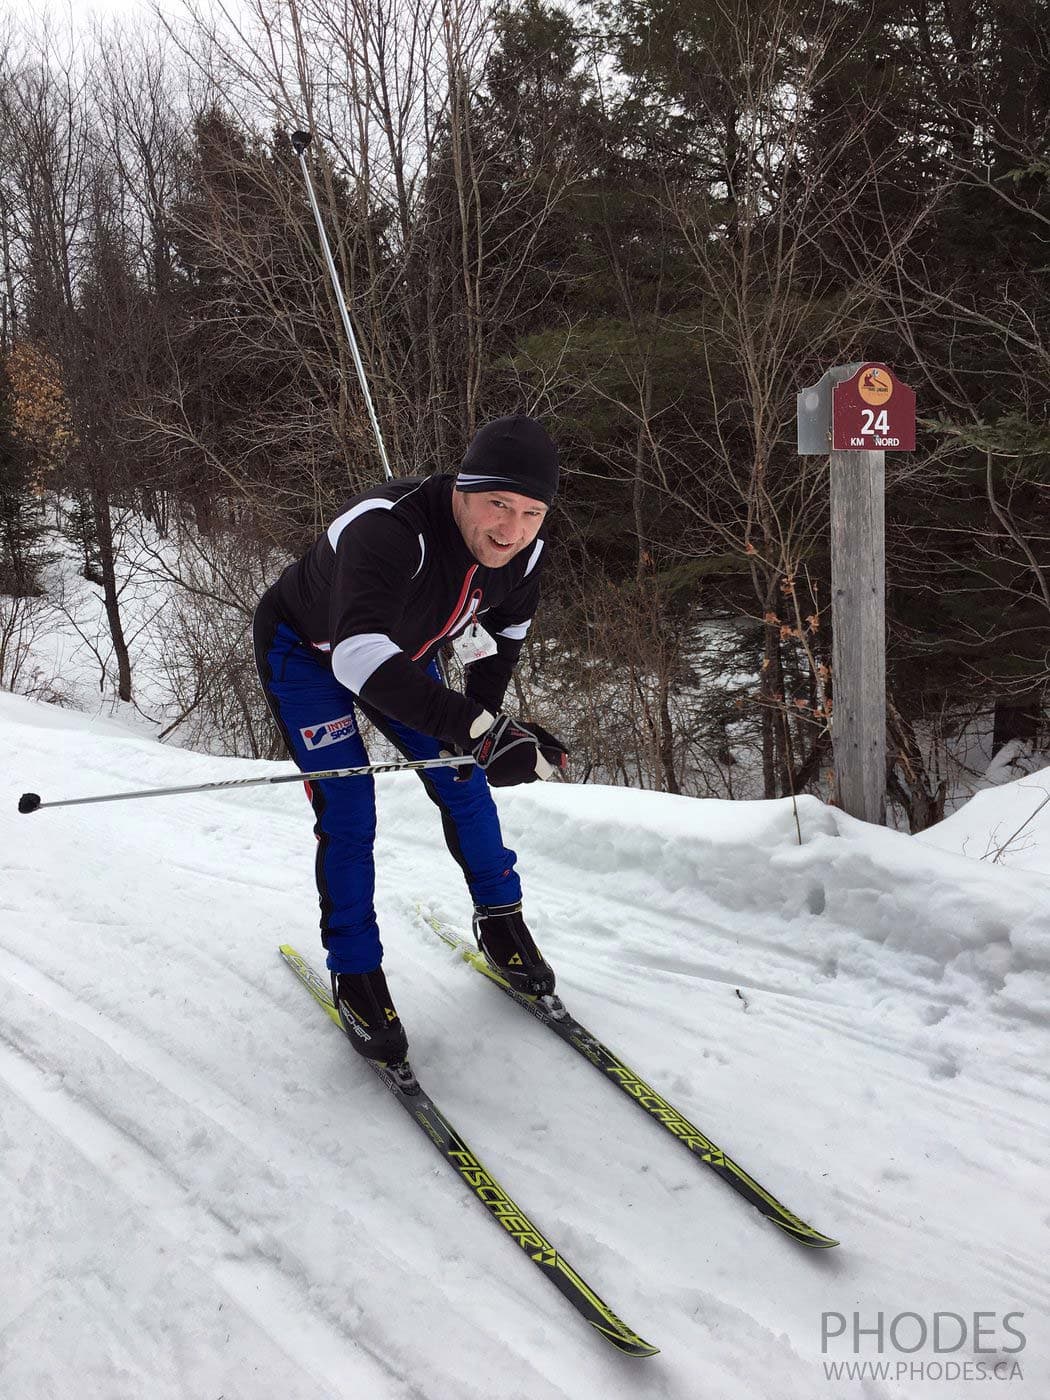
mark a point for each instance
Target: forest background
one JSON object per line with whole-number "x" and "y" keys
{"x": 650, "y": 224}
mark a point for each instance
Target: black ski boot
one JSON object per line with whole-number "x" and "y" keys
{"x": 506, "y": 942}
{"x": 367, "y": 1012}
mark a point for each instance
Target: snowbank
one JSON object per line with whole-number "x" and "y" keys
{"x": 207, "y": 1194}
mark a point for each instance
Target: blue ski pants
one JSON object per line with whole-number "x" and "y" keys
{"x": 318, "y": 720}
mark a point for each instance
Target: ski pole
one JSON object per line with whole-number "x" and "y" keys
{"x": 30, "y": 801}
{"x": 300, "y": 140}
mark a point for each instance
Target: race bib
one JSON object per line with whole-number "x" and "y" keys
{"x": 474, "y": 645}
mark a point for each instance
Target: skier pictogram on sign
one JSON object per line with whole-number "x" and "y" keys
{"x": 873, "y": 412}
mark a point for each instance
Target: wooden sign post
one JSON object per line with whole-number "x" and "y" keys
{"x": 860, "y": 412}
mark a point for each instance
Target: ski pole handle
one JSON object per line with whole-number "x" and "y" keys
{"x": 31, "y": 802}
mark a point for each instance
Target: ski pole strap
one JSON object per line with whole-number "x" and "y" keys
{"x": 31, "y": 802}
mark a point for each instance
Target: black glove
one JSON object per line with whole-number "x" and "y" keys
{"x": 512, "y": 752}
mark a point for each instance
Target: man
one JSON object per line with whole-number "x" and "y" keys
{"x": 356, "y": 624}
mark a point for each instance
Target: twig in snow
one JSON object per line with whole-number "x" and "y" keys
{"x": 1001, "y": 851}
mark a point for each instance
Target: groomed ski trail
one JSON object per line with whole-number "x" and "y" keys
{"x": 156, "y": 1056}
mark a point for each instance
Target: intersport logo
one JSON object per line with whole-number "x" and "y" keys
{"x": 333, "y": 731}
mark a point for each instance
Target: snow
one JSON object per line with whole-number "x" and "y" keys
{"x": 70, "y": 654}
{"x": 182, "y": 605}
{"x": 1007, "y": 825}
{"x": 208, "y": 1195}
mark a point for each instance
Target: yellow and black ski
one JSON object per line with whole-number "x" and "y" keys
{"x": 552, "y": 1013}
{"x": 405, "y": 1087}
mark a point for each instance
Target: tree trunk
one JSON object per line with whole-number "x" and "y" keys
{"x": 907, "y": 778}
{"x": 1015, "y": 719}
{"x": 671, "y": 782}
{"x": 104, "y": 535}
{"x": 769, "y": 701}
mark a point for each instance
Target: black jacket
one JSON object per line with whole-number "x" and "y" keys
{"x": 389, "y": 581}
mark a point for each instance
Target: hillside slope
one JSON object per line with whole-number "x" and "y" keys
{"x": 209, "y": 1195}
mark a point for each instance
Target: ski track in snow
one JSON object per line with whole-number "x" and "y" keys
{"x": 213, "y": 1198}
{"x": 259, "y": 1273}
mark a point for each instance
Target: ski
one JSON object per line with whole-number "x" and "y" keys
{"x": 405, "y": 1087}
{"x": 551, "y": 1012}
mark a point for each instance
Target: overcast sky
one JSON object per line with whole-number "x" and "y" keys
{"x": 81, "y": 11}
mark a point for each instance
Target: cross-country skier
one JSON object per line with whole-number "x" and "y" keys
{"x": 356, "y": 625}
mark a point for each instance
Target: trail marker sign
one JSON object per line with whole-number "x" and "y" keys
{"x": 872, "y": 411}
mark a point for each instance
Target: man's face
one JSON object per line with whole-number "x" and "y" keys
{"x": 496, "y": 525}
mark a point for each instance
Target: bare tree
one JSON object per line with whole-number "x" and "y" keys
{"x": 61, "y": 194}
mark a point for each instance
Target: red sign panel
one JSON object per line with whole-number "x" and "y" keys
{"x": 873, "y": 412}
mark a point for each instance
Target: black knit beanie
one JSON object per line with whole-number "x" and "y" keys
{"x": 515, "y": 454}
